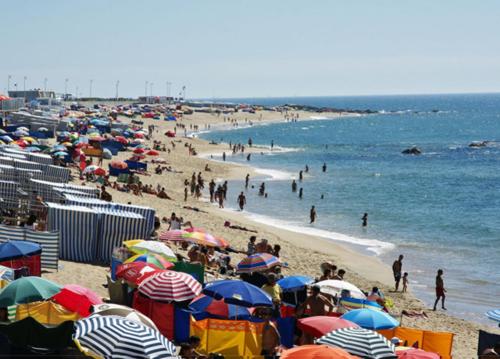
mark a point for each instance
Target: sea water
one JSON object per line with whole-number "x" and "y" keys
{"x": 441, "y": 209}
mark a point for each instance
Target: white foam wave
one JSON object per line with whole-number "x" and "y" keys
{"x": 373, "y": 245}
{"x": 275, "y": 175}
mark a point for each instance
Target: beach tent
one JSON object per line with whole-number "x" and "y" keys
{"x": 18, "y": 254}
{"x": 78, "y": 228}
{"x": 436, "y": 342}
{"x": 45, "y": 312}
{"x": 48, "y": 240}
{"x": 161, "y": 313}
{"x": 231, "y": 338}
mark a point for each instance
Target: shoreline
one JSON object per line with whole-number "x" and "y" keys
{"x": 302, "y": 252}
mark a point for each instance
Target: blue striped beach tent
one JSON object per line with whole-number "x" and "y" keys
{"x": 146, "y": 212}
{"x": 117, "y": 337}
{"x": 40, "y": 158}
{"x": 77, "y": 200}
{"x": 57, "y": 173}
{"x": 8, "y": 173}
{"x": 28, "y": 165}
{"x": 48, "y": 240}
{"x": 61, "y": 192}
{"x": 78, "y": 230}
{"x": 114, "y": 228}
{"x": 8, "y": 161}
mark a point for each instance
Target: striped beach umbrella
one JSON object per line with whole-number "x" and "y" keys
{"x": 117, "y": 337}
{"x": 494, "y": 314}
{"x": 170, "y": 286}
{"x": 361, "y": 342}
{"x": 152, "y": 258}
{"x": 174, "y": 235}
{"x": 257, "y": 262}
{"x": 205, "y": 239}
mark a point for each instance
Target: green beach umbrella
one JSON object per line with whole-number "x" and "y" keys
{"x": 27, "y": 290}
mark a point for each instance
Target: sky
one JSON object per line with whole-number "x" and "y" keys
{"x": 258, "y": 48}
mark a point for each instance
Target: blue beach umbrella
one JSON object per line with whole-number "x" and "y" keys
{"x": 32, "y": 149}
{"x": 371, "y": 319}
{"x": 294, "y": 283}
{"x": 16, "y": 249}
{"x": 494, "y": 314}
{"x": 6, "y": 138}
{"x": 238, "y": 292}
{"x": 61, "y": 154}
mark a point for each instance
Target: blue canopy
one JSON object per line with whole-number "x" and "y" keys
{"x": 294, "y": 283}
{"x": 238, "y": 292}
{"x": 371, "y": 319}
{"x": 16, "y": 249}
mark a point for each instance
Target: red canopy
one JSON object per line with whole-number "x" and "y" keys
{"x": 77, "y": 299}
{"x": 320, "y": 325}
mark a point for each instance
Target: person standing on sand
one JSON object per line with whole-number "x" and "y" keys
{"x": 270, "y": 336}
{"x": 294, "y": 186}
{"x": 397, "y": 268}
{"x": 440, "y": 290}
{"x": 211, "y": 189}
{"x": 365, "y": 219}
{"x": 223, "y": 156}
{"x": 312, "y": 214}
{"x": 186, "y": 191}
{"x": 242, "y": 201}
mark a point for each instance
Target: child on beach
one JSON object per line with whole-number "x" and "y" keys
{"x": 405, "y": 282}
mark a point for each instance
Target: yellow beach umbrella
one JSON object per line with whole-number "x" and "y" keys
{"x": 132, "y": 242}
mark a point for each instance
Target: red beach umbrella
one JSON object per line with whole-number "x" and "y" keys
{"x": 170, "y": 134}
{"x": 136, "y": 272}
{"x": 77, "y": 299}
{"x": 412, "y": 353}
{"x": 170, "y": 286}
{"x": 320, "y": 325}
{"x": 121, "y": 139}
{"x": 174, "y": 235}
{"x": 153, "y": 153}
{"x": 138, "y": 135}
{"x": 316, "y": 352}
{"x": 139, "y": 151}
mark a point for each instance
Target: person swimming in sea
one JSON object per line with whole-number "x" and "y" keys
{"x": 301, "y": 175}
{"x": 294, "y": 186}
{"x": 324, "y": 167}
{"x": 301, "y": 190}
{"x": 365, "y": 219}
{"x": 307, "y": 169}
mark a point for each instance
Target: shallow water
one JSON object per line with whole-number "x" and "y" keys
{"x": 440, "y": 209}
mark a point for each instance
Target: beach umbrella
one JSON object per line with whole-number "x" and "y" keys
{"x": 353, "y": 303}
{"x": 413, "y": 353}
{"x": 117, "y": 337}
{"x": 196, "y": 229}
{"x": 152, "y": 258}
{"x": 2, "y": 131}
{"x": 138, "y": 140}
{"x": 173, "y": 235}
{"x": 136, "y": 272}
{"x": 153, "y": 153}
{"x": 361, "y": 342}
{"x": 320, "y": 325}
{"x": 170, "y": 286}
{"x": 132, "y": 242}
{"x": 218, "y": 308}
{"x": 371, "y": 319}
{"x": 122, "y": 311}
{"x": 170, "y": 134}
{"x": 257, "y": 262}
{"x": 205, "y": 239}
{"x": 27, "y": 290}
{"x": 316, "y": 352}
{"x": 33, "y": 149}
{"x": 294, "y": 283}
{"x": 22, "y": 143}
{"x": 335, "y": 288}
{"x": 77, "y": 299}
{"x": 154, "y": 247}
{"x": 122, "y": 140}
{"x": 22, "y": 128}
{"x": 94, "y": 169}
{"x": 13, "y": 249}
{"x": 139, "y": 150}
{"x": 238, "y": 292}
{"x": 60, "y": 154}
{"x": 6, "y": 138}
{"x": 118, "y": 164}
{"x": 139, "y": 135}
{"x": 20, "y": 133}
{"x": 43, "y": 129}
{"x": 29, "y": 139}
{"x": 494, "y": 314}
{"x": 106, "y": 154}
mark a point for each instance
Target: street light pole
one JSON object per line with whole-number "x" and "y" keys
{"x": 117, "y": 84}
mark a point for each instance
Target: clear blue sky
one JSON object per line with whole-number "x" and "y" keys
{"x": 253, "y": 48}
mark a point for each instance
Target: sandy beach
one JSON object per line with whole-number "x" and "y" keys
{"x": 303, "y": 253}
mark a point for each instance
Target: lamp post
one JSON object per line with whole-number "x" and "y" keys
{"x": 24, "y": 86}
{"x": 117, "y": 84}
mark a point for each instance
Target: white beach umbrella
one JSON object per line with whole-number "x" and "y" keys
{"x": 122, "y": 311}
{"x": 335, "y": 287}
{"x": 153, "y": 247}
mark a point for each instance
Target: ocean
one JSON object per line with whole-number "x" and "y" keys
{"x": 440, "y": 209}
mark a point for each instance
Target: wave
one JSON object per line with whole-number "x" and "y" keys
{"x": 275, "y": 175}
{"x": 373, "y": 245}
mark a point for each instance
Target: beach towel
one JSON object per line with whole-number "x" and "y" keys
{"x": 231, "y": 338}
